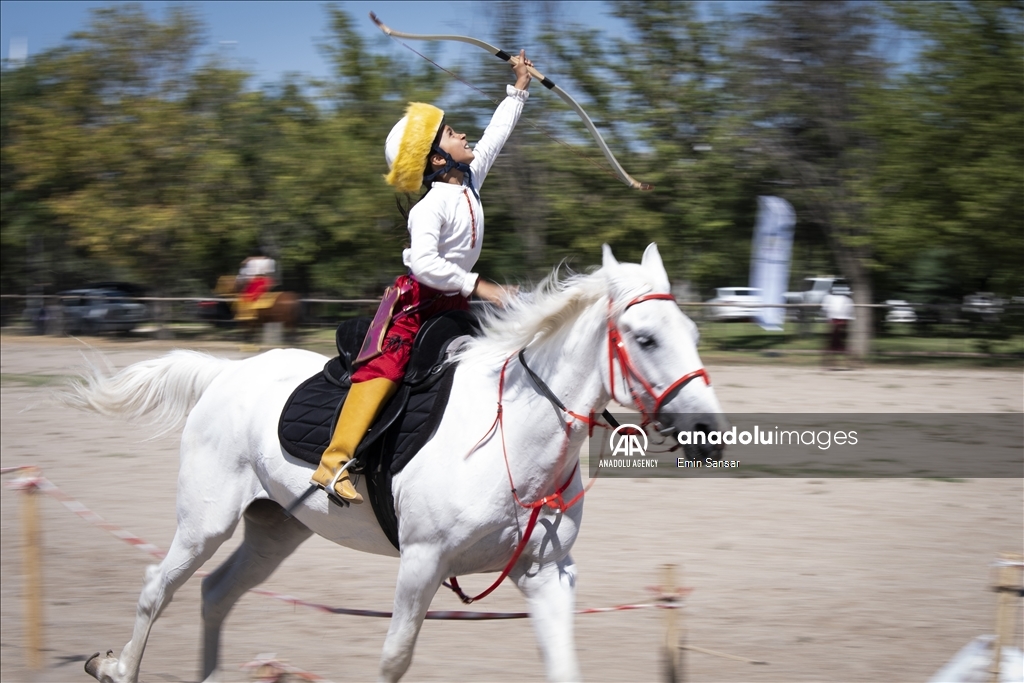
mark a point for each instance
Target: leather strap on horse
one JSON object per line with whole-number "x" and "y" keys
{"x": 546, "y": 392}
{"x": 554, "y": 501}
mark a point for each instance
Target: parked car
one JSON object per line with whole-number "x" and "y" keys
{"x": 101, "y": 309}
{"x": 900, "y": 312}
{"x": 735, "y": 303}
{"x": 816, "y": 288}
{"x": 984, "y": 306}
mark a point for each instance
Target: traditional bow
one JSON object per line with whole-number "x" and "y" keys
{"x": 545, "y": 81}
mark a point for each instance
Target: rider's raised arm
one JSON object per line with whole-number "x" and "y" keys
{"x": 498, "y": 130}
{"x": 503, "y": 121}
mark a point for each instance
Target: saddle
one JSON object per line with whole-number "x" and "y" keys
{"x": 249, "y": 310}
{"x": 404, "y": 425}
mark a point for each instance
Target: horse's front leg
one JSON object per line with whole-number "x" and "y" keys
{"x": 419, "y": 576}
{"x": 550, "y": 590}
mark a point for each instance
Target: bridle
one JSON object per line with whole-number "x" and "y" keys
{"x": 617, "y": 353}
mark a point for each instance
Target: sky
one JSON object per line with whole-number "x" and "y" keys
{"x": 271, "y": 38}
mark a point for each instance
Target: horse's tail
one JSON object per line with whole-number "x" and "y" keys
{"x": 163, "y": 389}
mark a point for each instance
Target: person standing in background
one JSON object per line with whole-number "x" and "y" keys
{"x": 838, "y": 308}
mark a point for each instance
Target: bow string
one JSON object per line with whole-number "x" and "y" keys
{"x": 544, "y": 80}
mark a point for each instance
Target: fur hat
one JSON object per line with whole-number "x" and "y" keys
{"x": 408, "y": 145}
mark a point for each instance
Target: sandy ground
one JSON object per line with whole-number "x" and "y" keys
{"x": 835, "y": 580}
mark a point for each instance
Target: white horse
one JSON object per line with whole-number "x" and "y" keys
{"x": 613, "y": 334}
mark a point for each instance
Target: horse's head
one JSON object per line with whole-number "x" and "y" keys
{"x": 653, "y": 364}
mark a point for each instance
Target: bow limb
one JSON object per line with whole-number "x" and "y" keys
{"x": 544, "y": 80}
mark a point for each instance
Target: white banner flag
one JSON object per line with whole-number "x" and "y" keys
{"x": 769, "y": 257}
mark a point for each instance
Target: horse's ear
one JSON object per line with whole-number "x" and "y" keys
{"x": 652, "y": 259}
{"x": 652, "y": 262}
{"x": 607, "y": 259}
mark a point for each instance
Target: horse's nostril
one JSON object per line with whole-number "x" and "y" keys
{"x": 711, "y": 451}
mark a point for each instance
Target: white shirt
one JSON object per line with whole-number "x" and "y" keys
{"x": 838, "y": 307}
{"x": 447, "y": 226}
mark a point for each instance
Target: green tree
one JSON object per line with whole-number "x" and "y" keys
{"x": 807, "y": 75}
{"x": 124, "y": 161}
{"x": 659, "y": 92}
{"x": 22, "y": 210}
{"x": 951, "y": 173}
{"x": 128, "y": 154}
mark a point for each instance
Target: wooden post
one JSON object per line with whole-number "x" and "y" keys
{"x": 1009, "y": 586}
{"x": 273, "y": 335}
{"x": 33, "y": 579}
{"x": 671, "y": 659}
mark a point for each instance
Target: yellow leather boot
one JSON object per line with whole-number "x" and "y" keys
{"x": 364, "y": 402}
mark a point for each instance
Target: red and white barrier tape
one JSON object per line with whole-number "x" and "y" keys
{"x": 36, "y": 480}
{"x": 19, "y": 468}
{"x": 457, "y": 615}
{"x": 266, "y": 668}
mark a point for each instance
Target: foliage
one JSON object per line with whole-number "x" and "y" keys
{"x": 130, "y": 153}
{"x": 660, "y": 91}
{"x": 952, "y": 169}
{"x": 119, "y": 152}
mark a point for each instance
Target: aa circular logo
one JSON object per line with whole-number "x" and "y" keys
{"x": 629, "y": 441}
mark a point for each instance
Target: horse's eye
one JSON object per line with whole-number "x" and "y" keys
{"x": 645, "y": 342}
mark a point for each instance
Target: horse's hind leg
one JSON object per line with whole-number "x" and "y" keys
{"x": 551, "y": 592}
{"x": 200, "y": 532}
{"x": 270, "y": 537}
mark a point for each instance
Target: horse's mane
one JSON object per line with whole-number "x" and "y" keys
{"x": 539, "y": 317}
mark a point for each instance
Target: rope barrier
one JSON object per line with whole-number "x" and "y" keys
{"x": 35, "y": 480}
{"x": 41, "y": 483}
{"x": 19, "y": 468}
{"x": 266, "y": 667}
{"x": 312, "y": 300}
{"x": 263, "y": 667}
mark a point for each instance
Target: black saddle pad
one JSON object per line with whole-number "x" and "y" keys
{"x": 406, "y": 423}
{"x": 311, "y": 412}
{"x": 308, "y": 419}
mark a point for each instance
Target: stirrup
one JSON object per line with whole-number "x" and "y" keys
{"x": 332, "y": 495}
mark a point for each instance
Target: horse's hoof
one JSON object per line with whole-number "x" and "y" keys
{"x": 92, "y": 665}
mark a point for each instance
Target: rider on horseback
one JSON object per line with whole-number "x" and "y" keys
{"x": 255, "y": 278}
{"x": 446, "y": 227}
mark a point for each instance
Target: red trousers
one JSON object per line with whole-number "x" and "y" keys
{"x": 417, "y": 304}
